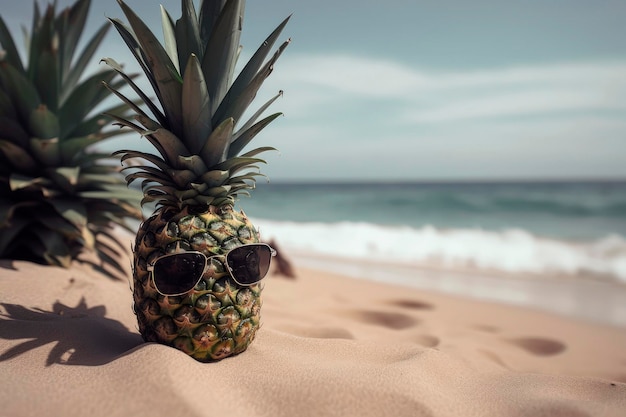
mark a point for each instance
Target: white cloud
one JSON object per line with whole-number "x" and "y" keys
{"x": 554, "y": 148}
{"x": 352, "y": 75}
{"x": 534, "y": 102}
{"x": 553, "y": 74}
{"x": 318, "y": 83}
{"x": 379, "y": 77}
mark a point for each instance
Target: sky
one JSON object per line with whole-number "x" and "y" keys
{"x": 428, "y": 90}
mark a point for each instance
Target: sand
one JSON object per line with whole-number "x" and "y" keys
{"x": 330, "y": 345}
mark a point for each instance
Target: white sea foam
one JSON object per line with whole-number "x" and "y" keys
{"x": 511, "y": 250}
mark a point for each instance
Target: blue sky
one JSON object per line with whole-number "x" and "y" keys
{"x": 432, "y": 90}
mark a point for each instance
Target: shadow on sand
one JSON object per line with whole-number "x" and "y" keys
{"x": 81, "y": 335}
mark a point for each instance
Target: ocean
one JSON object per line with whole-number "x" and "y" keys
{"x": 532, "y": 229}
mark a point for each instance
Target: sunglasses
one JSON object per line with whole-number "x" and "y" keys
{"x": 178, "y": 273}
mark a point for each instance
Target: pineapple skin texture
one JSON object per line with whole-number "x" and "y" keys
{"x": 216, "y": 319}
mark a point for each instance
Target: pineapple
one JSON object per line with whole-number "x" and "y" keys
{"x": 59, "y": 196}
{"x": 198, "y": 173}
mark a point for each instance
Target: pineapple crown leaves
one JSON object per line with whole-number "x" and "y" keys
{"x": 58, "y": 195}
{"x": 197, "y": 130}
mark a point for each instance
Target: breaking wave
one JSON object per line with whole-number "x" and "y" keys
{"x": 507, "y": 250}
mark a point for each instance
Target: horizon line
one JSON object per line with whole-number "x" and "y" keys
{"x": 477, "y": 180}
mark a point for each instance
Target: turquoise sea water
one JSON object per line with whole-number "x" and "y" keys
{"x": 566, "y": 210}
{"x": 536, "y": 227}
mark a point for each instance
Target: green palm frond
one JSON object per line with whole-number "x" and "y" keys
{"x": 59, "y": 196}
{"x": 197, "y": 126}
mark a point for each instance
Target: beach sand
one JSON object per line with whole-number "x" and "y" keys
{"x": 329, "y": 345}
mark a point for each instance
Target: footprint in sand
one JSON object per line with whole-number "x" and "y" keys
{"x": 427, "y": 340}
{"x": 487, "y": 328}
{"x": 318, "y": 332}
{"x": 538, "y": 346}
{"x": 396, "y": 321}
{"x": 412, "y": 304}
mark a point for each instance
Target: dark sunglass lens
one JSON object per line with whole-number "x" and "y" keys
{"x": 178, "y": 273}
{"x": 249, "y": 264}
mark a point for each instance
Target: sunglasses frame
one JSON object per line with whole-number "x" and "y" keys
{"x": 150, "y": 266}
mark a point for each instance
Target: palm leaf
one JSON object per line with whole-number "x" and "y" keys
{"x": 128, "y": 102}
{"x": 21, "y": 92}
{"x": 17, "y": 156}
{"x": 73, "y": 22}
{"x": 235, "y": 164}
{"x": 44, "y": 124}
{"x": 218, "y": 62}
{"x": 247, "y": 95}
{"x": 169, "y": 35}
{"x": 69, "y": 148}
{"x": 196, "y": 106}
{"x": 249, "y": 71}
{"x": 46, "y": 150}
{"x": 7, "y": 109}
{"x": 242, "y": 141}
{"x": 214, "y": 177}
{"x": 135, "y": 49}
{"x": 256, "y": 115}
{"x": 72, "y": 76}
{"x": 188, "y": 35}
{"x": 194, "y": 163}
{"x": 10, "y": 234}
{"x": 255, "y": 152}
{"x": 55, "y": 250}
{"x": 6, "y": 40}
{"x": 47, "y": 78}
{"x": 168, "y": 155}
{"x": 94, "y": 123}
{"x": 127, "y": 154}
{"x": 82, "y": 100}
{"x": 74, "y": 211}
{"x": 146, "y": 100}
{"x": 209, "y": 13}
{"x": 168, "y": 81}
{"x": 215, "y": 149}
{"x": 13, "y": 132}
{"x": 148, "y": 172}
